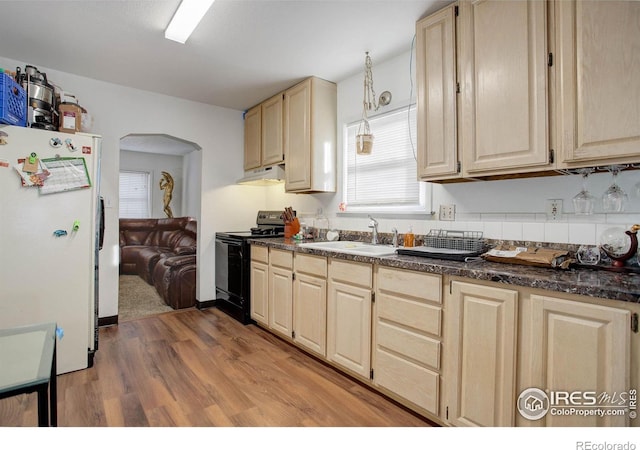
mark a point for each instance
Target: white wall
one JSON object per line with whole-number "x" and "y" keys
{"x": 507, "y": 209}
{"x": 511, "y": 209}
{"x": 119, "y": 111}
{"x": 155, "y": 164}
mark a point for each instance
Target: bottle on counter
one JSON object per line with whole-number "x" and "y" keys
{"x": 409, "y": 238}
{"x": 322, "y": 226}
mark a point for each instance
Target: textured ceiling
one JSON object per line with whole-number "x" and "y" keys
{"x": 242, "y": 52}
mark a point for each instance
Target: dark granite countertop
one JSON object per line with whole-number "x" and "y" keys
{"x": 589, "y": 282}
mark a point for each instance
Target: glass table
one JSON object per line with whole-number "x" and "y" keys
{"x": 28, "y": 364}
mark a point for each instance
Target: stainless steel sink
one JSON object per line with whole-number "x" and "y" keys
{"x": 352, "y": 248}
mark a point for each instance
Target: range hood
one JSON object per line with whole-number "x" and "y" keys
{"x": 263, "y": 176}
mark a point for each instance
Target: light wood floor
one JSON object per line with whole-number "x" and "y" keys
{"x": 202, "y": 368}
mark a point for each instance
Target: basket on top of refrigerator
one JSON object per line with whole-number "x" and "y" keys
{"x": 13, "y": 102}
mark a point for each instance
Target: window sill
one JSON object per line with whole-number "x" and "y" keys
{"x": 389, "y": 214}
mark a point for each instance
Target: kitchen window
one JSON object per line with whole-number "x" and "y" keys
{"x": 135, "y": 195}
{"x": 386, "y": 179}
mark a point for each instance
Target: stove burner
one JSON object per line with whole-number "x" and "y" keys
{"x": 265, "y": 231}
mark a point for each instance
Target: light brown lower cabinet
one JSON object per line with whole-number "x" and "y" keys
{"x": 281, "y": 291}
{"x": 580, "y": 349}
{"x": 310, "y": 303}
{"x": 481, "y": 340}
{"x": 456, "y": 350}
{"x": 260, "y": 284}
{"x": 349, "y": 316}
{"x": 572, "y": 351}
{"x": 407, "y": 336}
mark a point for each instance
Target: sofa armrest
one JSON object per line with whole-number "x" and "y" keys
{"x": 185, "y": 250}
{"x": 181, "y": 260}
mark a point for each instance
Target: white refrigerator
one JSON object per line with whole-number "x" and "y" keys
{"x": 50, "y": 234}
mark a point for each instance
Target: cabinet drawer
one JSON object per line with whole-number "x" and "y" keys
{"x": 260, "y": 254}
{"x": 359, "y": 274}
{"x": 312, "y": 265}
{"x": 412, "y": 345}
{"x": 409, "y": 312}
{"x": 281, "y": 258}
{"x": 414, "y": 284}
{"x": 415, "y": 383}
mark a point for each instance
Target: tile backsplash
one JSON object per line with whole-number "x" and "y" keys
{"x": 507, "y": 227}
{"x": 572, "y": 230}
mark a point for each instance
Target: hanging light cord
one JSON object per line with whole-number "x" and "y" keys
{"x": 413, "y": 149}
{"x": 370, "y": 93}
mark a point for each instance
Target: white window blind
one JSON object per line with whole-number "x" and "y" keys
{"x": 387, "y": 178}
{"x": 134, "y": 195}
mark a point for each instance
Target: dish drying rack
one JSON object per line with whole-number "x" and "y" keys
{"x": 468, "y": 241}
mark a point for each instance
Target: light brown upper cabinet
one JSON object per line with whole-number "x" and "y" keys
{"x": 436, "y": 80}
{"x": 272, "y": 148}
{"x": 263, "y": 134}
{"x": 310, "y": 118}
{"x": 503, "y": 87}
{"x": 541, "y": 85}
{"x": 252, "y": 133}
{"x": 598, "y": 86}
{"x": 483, "y": 90}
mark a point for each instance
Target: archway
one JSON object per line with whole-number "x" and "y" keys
{"x": 151, "y": 158}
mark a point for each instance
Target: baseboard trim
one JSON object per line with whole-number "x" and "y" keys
{"x": 205, "y": 304}
{"x": 108, "y": 321}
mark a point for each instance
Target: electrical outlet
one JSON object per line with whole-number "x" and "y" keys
{"x": 447, "y": 212}
{"x": 554, "y": 209}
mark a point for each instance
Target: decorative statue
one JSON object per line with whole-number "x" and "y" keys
{"x": 166, "y": 185}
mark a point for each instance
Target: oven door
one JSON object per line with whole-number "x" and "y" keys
{"x": 229, "y": 265}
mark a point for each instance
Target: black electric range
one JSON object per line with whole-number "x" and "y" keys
{"x": 233, "y": 264}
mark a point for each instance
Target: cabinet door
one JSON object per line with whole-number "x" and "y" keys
{"x": 349, "y": 327}
{"x": 481, "y": 340}
{"x": 310, "y": 312}
{"x": 260, "y": 292}
{"x": 598, "y": 82}
{"x": 436, "y": 80}
{"x": 578, "y": 347}
{"x": 503, "y": 61}
{"x": 297, "y": 136}
{"x": 252, "y": 137}
{"x": 272, "y": 150}
{"x": 280, "y": 300}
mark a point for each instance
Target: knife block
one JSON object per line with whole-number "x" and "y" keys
{"x": 291, "y": 228}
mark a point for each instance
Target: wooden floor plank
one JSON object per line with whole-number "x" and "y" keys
{"x": 203, "y": 368}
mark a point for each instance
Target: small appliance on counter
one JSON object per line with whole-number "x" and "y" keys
{"x": 233, "y": 258}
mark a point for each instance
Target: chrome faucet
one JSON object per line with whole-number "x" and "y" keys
{"x": 395, "y": 237}
{"x": 373, "y": 224}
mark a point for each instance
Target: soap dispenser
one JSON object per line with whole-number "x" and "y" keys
{"x": 409, "y": 238}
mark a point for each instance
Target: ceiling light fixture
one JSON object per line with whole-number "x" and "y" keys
{"x": 186, "y": 19}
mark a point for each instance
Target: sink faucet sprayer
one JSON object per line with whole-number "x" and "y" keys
{"x": 394, "y": 230}
{"x": 373, "y": 224}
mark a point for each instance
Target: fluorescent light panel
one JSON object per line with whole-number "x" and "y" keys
{"x": 186, "y": 19}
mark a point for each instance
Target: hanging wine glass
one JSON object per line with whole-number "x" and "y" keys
{"x": 583, "y": 202}
{"x": 614, "y": 198}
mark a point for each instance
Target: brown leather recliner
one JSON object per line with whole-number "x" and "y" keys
{"x": 148, "y": 243}
{"x": 175, "y": 280}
